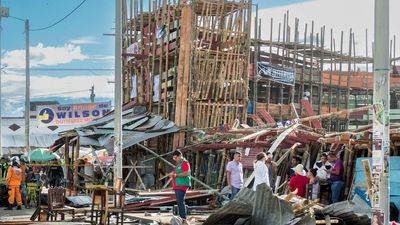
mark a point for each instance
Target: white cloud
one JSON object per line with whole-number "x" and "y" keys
{"x": 340, "y": 15}
{"x": 77, "y": 86}
{"x": 102, "y": 58}
{"x": 85, "y": 40}
{"x": 44, "y": 56}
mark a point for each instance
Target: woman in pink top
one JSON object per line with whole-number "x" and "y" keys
{"x": 180, "y": 182}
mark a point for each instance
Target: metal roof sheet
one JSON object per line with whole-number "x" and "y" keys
{"x": 137, "y": 128}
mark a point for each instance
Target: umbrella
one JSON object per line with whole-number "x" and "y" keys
{"x": 42, "y": 154}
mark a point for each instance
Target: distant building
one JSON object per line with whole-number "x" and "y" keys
{"x": 13, "y": 131}
{"x": 13, "y": 134}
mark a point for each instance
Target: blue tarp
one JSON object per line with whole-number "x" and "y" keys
{"x": 394, "y": 177}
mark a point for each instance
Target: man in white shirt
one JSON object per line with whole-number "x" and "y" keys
{"x": 322, "y": 167}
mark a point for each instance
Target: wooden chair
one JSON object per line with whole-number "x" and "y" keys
{"x": 99, "y": 209}
{"x": 117, "y": 208}
{"x": 56, "y": 203}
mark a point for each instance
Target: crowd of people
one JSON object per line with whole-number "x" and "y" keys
{"x": 16, "y": 173}
{"x": 323, "y": 180}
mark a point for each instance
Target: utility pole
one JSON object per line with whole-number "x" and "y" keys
{"x": 381, "y": 119}
{"x": 4, "y": 12}
{"x": 118, "y": 93}
{"x": 1, "y": 68}
{"x": 27, "y": 87}
{"x": 92, "y": 95}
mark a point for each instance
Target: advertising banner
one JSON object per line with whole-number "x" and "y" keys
{"x": 70, "y": 114}
{"x": 276, "y": 73}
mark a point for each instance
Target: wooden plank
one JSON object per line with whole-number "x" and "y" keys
{"x": 266, "y": 116}
{"x": 183, "y": 73}
{"x": 256, "y": 119}
{"x": 368, "y": 177}
{"x": 281, "y": 137}
{"x": 310, "y": 112}
{"x": 187, "y": 9}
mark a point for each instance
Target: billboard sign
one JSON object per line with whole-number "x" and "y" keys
{"x": 283, "y": 75}
{"x": 70, "y": 114}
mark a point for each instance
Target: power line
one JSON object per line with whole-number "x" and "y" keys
{"x": 65, "y": 17}
{"x": 65, "y": 69}
{"x": 52, "y": 94}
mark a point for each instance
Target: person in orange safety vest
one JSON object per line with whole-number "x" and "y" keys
{"x": 13, "y": 181}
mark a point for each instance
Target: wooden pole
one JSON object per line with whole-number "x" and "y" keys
{"x": 339, "y": 90}
{"x": 77, "y": 149}
{"x": 247, "y": 29}
{"x": 210, "y": 166}
{"x": 255, "y": 83}
{"x": 153, "y": 40}
{"x": 183, "y": 74}
{"x": 348, "y": 77}
{"x": 368, "y": 177}
{"x": 321, "y": 91}
{"x": 278, "y": 51}
{"x": 304, "y": 68}
{"x": 346, "y": 160}
{"x": 198, "y": 163}
{"x": 221, "y": 169}
{"x": 135, "y": 26}
{"x": 270, "y": 62}
{"x": 294, "y": 64}
{"x": 73, "y": 169}
{"x": 172, "y": 165}
{"x": 354, "y": 53}
{"x": 311, "y": 63}
{"x": 67, "y": 162}
{"x": 330, "y": 81}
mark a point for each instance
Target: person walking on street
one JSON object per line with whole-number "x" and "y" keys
{"x": 13, "y": 180}
{"x": 180, "y": 182}
{"x": 3, "y": 170}
{"x": 24, "y": 171}
{"x": 234, "y": 174}
{"x": 260, "y": 171}
{"x": 336, "y": 176}
{"x": 272, "y": 170}
{"x": 54, "y": 174}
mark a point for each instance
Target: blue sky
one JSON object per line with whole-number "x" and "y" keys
{"x": 75, "y": 43}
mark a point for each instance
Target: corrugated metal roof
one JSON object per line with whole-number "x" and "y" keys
{"x": 269, "y": 209}
{"x": 262, "y": 206}
{"x": 138, "y": 126}
{"x": 350, "y": 212}
{"x": 241, "y": 206}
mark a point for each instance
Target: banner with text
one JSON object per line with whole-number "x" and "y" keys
{"x": 276, "y": 73}
{"x": 56, "y": 115}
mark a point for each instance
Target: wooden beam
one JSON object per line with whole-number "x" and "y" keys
{"x": 172, "y": 165}
{"x": 183, "y": 74}
{"x": 368, "y": 177}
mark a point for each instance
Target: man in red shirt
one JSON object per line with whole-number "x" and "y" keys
{"x": 180, "y": 182}
{"x": 299, "y": 181}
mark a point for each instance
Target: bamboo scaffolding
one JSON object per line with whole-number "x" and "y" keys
{"x": 348, "y": 77}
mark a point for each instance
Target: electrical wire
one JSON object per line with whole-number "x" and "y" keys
{"x": 65, "y": 17}
{"x": 51, "y": 95}
{"x": 64, "y": 69}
